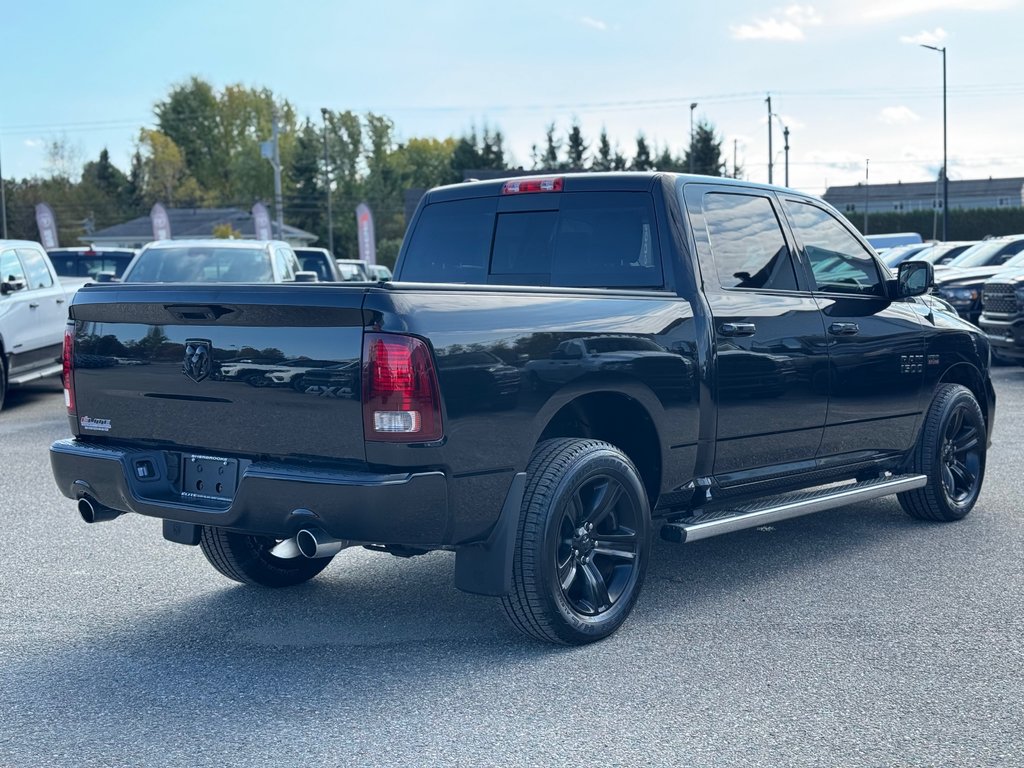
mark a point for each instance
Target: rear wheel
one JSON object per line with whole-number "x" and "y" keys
{"x": 247, "y": 559}
{"x": 582, "y": 545}
{"x": 951, "y": 453}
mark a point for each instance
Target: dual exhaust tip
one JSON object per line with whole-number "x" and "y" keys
{"x": 309, "y": 542}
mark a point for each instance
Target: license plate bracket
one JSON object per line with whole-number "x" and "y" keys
{"x": 209, "y": 477}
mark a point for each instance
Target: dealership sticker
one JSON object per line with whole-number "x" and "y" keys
{"x": 95, "y": 425}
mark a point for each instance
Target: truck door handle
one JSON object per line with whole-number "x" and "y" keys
{"x": 844, "y": 329}
{"x": 737, "y": 329}
{"x": 33, "y": 305}
{"x": 60, "y": 301}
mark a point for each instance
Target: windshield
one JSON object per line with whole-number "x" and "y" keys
{"x": 201, "y": 264}
{"x": 980, "y": 255}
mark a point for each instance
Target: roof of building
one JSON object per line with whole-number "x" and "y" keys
{"x": 191, "y": 223}
{"x": 1009, "y": 187}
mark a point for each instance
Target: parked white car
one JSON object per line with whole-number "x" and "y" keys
{"x": 33, "y": 314}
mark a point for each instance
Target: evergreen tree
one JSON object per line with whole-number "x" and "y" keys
{"x": 602, "y": 161}
{"x": 576, "y": 148}
{"x": 706, "y": 151}
{"x": 306, "y": 202}
{"x": 642, "y": 158}
{"x": 552, "y": 147}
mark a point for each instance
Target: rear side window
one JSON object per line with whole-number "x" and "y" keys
{"x": 10, "y": 268}
{"x": 593, "y": 239}
{"x": 747, "y": 242}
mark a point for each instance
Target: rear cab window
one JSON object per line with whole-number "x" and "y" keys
{"x": 572, "y": 239}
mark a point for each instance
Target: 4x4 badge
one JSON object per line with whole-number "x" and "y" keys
{"x": 198, "y": 359}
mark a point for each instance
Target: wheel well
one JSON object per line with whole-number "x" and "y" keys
{"x": 968, "y": 376}
{"x": 619, "y": 420}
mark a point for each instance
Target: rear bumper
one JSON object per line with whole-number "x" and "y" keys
{"x": 272, "y": 498}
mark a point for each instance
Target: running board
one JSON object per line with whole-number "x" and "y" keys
{"x": 773, "y": 509}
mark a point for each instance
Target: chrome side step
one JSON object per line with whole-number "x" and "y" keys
{"x": 775, "y": 508}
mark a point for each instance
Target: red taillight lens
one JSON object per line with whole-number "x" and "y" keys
{"x": 68, "y": 360}
{"x": 550, "y": 184}
{"x": 400, "y": 394}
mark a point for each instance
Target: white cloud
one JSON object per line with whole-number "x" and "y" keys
{"x": 886, "y": 10}
{"x": 790, "y": 27}
{"x": 840, "y": 160}
{"x": 34, "y": 143}
{"x": 898, "y": 116}
{"x": 925, "y": 37}
{"x": 597, "y": 24}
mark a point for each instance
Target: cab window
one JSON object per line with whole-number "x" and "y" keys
{"x": 747, "y": 243}
{"x": 839, "y": 263}
{"x": 35, "y": 267}
{"x": 10, "y": 268}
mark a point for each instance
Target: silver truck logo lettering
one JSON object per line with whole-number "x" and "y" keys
{"x": 198, "y": 360}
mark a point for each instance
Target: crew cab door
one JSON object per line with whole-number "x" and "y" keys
{"x": 876, "y": 346}
{"x": 771, "y": 364}
{"x": 32, "y": 318}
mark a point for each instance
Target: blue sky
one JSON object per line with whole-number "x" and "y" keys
{"x": 848, "y": 78}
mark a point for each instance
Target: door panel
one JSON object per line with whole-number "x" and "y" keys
{"x": 772, "y": 367}
{"x": 876, "y": 346}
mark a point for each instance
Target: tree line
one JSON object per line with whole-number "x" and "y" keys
{"x": 204, "y": 151}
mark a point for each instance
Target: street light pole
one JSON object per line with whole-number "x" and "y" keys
{"x": 867, "y": 164}
{"x": 785, "y": 135}
{"x": 693, "y": 106}
{"x": 327, "y": 183}
{"x": 3, "y": 207}
{"x": 945, "y": 161}
{"x": 770, "y": 161}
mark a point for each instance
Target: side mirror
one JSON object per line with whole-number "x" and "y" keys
{"x": 307, "y": 277}
{"x": 914, "y": 278}
{"x": 10, "y": 286}
{"x": 105, "y": 277}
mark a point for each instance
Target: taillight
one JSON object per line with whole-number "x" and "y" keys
{"x": 519, "y": 186}
{"x": 68, "y": 361}
{"x": 400, "y": 394}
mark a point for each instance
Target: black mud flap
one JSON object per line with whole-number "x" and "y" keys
{"x": 486, "y": 568}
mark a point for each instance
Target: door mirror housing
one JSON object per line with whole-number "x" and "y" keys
{"x": 914, "y": 278}
{"x": 10, "y": 286}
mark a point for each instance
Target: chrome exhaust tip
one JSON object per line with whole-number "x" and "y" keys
{"x": 316, "y": 542}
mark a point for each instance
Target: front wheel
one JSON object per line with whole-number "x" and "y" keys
{"x": 247, "y": 559}
{"x": 951, "y": 453}
{"x": 582, "y": 545}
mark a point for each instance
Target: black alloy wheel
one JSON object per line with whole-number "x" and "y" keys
{"x": 962, "y": 454}
{"x": 951, "y": 454}
{"x": 582, "y": 545}
{"x": 599, "y": 547}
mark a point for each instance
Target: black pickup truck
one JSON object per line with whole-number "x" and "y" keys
{"x": 563, "y": 367}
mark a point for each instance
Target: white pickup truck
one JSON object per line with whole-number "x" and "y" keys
{"x": 33, "y": 314}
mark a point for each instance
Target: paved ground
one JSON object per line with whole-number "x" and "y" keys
{"x": 856, "y": 637}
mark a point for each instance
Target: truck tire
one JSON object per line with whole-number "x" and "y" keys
{"x": 951, "y": 453}
{"x": 582, "y": 544}
{"x": 247, "y": 559}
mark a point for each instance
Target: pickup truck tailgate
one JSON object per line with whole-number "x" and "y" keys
{"x": 273, "y": 369}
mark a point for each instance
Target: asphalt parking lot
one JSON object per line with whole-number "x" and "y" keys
{"x": 855, "y": 637}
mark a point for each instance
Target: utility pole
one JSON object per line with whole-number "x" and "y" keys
{"x": 735, "y": 174}
{"x": 693, "y": 106}
{"x": 866, "y": 164}
{"x": 770, "y": 162}
{"x": 327, "y": 183}
{"x": 3, "y": 206}
{"x": 945, "y": 163}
